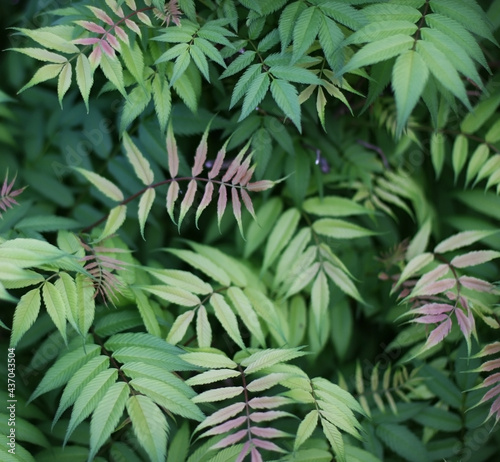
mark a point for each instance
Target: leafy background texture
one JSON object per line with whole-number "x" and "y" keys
{"x": 238, "y": 230}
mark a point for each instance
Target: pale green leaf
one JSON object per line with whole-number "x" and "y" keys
{"x": 414, "y": 266}
{"x": 162, "y": 100}
{"x": 306, "y": 428}
{"x": 150, "y": 426}
{"x": 378, "y": 30}
{"x": 25, "y": 315}
{"x": 116, "y": 218}
{"x": 107, "y": 415}
{"x": 173, "y": 295}
{"x": 182, "y": 279}
{"x": 139, "y": 162}
{"x": 42, "y": 55}
{"x": 340, "y": 229}
{"x": 342, "y": 281}
{"x": 266, "y": 358}
{"x": 84, "y": 77}
{"x": 134, "y": 60}
{"x": 55, "y": 307}
{"x": 212, "y": 376}
{"x": 334, "y": 206}
{"x": 102, "y": 184}
{"x": 145, "y": 204}
{"x": 227, "y": 318}
{"x": 179, "y": 327}
{"x": 55, "y": 38}
{"x": 480, "y": 114}
{"x": 64, "y": 81}
{"x": 438, "y": 152}
{"x": 203, "y": 328}
{"x": 320, "y": 298}
{"x": 112, "y": 69}
{"x": 209, "y": 360}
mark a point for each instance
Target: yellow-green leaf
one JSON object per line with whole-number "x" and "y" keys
{"x": 145, "y": 204}
{"x": 55, "y": 307}
{"x": 25, "y": 315}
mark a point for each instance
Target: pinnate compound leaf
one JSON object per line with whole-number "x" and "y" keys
{"x": 139, "y": 162}
{"x": 150, "y": 426}
{"x": 106, "y": 415}
{"x": 102, "y": 184}
{"x": 25, "y": 315}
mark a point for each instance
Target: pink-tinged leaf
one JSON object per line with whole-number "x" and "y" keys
{"x": 201, "y": 154}
{"x": 144, "y": 18}
{"x": 111, "y": 39}
{"x": 431, "y": 319}
{"x": 435, "y": 287}
{"x": 248, "y": 203}
{"x": 268, "y": 402}
{"x": 261, "y": 185}
{"x": 234, "y": 165}
{"x": 433, "y": 275}
{"x": 489, "y": 349}
{"x": 267, "y": 432}
{"x": 205, "y": 201}
{"x": 95, "y": 56}
{"x": 219, "y": 160}
{"x": 492, "y": 379}
{"x": 464, "y": 323}
{"x": 226, "y": 426}
{"x": 172, "y": 195}
{"x": 476, "y": 284}
{"x": 244, "y": 451}
{"x": 101, "y": 14}
{"x": 490, "y": 365}
{"x": 133, "y": 27}
{"x": 438, "y": 334}
{"x": 474, "y": 258}
{"x": 187, "y": 202}
{"x": 121, "y": 34}
{"x": 248, "y": 176}
{"x": 256, "y": 457}
{"x": 221, "y": 203}
{"x": 242, "y": 170}
{"x": 86, "y": 41}
{"x": 495, "y": 409}
{"x": 107, "y": 49}
{"x": 267, "y": 445}
{"x": 91, "y": 26}
{"x": 235, "y": 200}
{"x": 221, "y": 415}
{"x": 268, "y": 416}
{"x": 173, "y": 155}
{"x": 230, "y": 440}
{"x": 432, "y": 308}
{"x": 491, "y": 393}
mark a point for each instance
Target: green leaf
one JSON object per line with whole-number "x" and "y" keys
{"x": 344, "y": 13}
{"x": 56, "y": 38}
{"x": 439, "y": 419}
{"x": 209, "y": 360}
{"x": 462, "y": 239}
{"x": 55, "y": 307}
{"x": 42, "y": 55}
{"x": 381, "y": 29}
{"x": 409, "y": 76}
{"x": 459, "y": 154}
{"x": 182, "y": 279}
{"x": 150, "y": 426}
{"x": 25, "y": 315}
{"x": 85, "y": 304}
{"x": 203, "y": 328}
{"x": 286, "y": 97}
{"x": 84, "y": 77}
{"x": 414, "y": 266}
{"x": 480, "y": 114}
{"x": 403, "y": 442}
{"x": 305, "y": 31}
{"x": 113, "y": 71}
{"x": 439, "y": 384}
{"x": 115, "y": 220}
{"x": 280, "y": 236}
{"x": 64, "y": 368}
{"x": 257, "y": 89}
{"x": 342, "y": 281}
{"x": 227, "y": 318}
{"x": 64, "y": 81}
{"x": 173, "y": 295}
{"x": 168, "y": 397}
{"x": 162, "y": 100}
{"x": 145, "y": 204}
{"x": 334, "y": 206}
{"x": 180, "y": 66}
{"x": 107, "y": 415}
{"x": 179, "y": 327}
{"x": 134, "y": 60}
{"x": 267, "y": 358}
{"x": 340, "y": 229}
{"x": 380, "y": 50}
{"x": 320, "y": 299}
{"x": 443, "y": 70}
{"x": 287, "y": 21}
{"x": 89, "y": 398}
{"x": 438, "y": 152}
{"x": 306, "y": 428}
{"x": 244, "y": 82}
{"x": 135, "y": 105}
{"x": 200, "y": 60}
{"x": 102, "y": 184}
{"x": 240, "y": 63}
{"x": 47, "y": 72}
{"x": 139, "y": 162}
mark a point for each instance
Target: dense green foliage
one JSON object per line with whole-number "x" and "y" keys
{"x": 250, "y": 230}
